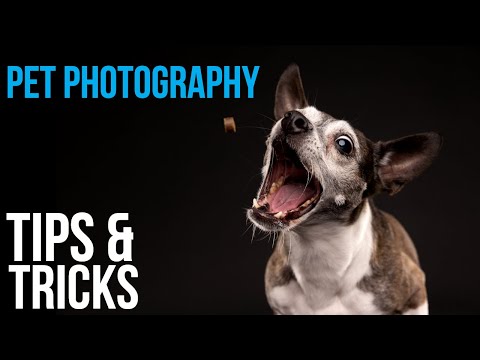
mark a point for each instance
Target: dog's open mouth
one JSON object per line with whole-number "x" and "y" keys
{"x": 289, "y": 191}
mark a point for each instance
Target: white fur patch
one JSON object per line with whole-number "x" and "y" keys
{"x": 385, "y": 160}
{"x": 354, "y": 303}
{"x": 421, "y": 310}
{"x": 328, "y": 262}
{"x": 289, "y": 300}
{"x": 340, "y": 199}
{"x": 314, "y": 115}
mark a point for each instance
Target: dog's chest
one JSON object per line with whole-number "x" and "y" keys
{"x": 327, "y": 264}
{"x": 291, "y": 300}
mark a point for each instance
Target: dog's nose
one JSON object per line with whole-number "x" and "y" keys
{"x": 295, "y": 123}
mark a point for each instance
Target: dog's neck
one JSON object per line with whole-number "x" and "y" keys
{"x": 330, "y": 259}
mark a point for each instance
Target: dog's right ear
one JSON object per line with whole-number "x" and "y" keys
{"x": 290, "y": 94}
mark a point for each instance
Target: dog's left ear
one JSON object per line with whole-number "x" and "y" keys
{"x": 399, "y": 161}
{"x": 290, "y": 94}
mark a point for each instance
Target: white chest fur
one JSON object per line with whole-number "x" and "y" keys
{"x": 328, "y": 262}
{"x": 291, "y": 300}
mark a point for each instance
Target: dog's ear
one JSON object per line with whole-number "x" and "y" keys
{"x": 399, "y": 161}
{"x": 290, "y": 94}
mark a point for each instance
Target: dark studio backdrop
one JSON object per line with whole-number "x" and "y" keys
{"x": 186, "y": 184}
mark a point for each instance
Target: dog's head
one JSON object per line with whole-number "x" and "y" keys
{"x": 317, "y": 168}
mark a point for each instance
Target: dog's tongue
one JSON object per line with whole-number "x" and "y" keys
{"x": 289, "y": 197}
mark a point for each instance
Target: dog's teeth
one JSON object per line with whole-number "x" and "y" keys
{"x": 255, "y": 204}
{"x": 279, "y": 215}
{"x": 277, "y": 185}
{"x": 306, "y": 203}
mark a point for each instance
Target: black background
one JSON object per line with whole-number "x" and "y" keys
{"x": 186, "y": 184}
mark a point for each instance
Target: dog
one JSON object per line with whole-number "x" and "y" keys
{"x": 336, "y": 253}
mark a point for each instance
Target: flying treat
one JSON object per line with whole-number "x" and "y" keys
{"x": 230, "y": 126}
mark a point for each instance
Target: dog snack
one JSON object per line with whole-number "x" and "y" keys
{"x": 229, "y": 123}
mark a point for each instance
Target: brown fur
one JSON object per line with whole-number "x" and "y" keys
{"x": 397, "y": 281}
{"x": 278, "y": 271}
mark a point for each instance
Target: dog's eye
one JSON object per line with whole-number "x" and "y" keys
{"x": 344, "y": 144}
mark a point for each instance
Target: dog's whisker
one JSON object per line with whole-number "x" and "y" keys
{"x": 253, "y": 127}
{"x": 249, "y": 161}
{"x": 254, "y": 229}
{"x": 267, "y": 117}
{"x": 251, "y": 178}
{"x": 289, "y": 249}
{"x": 270, "y": 168}
{"x": 309, "y": 178}
{"x": 264, "y": 237}
{"x": 275, "y": 237}
{"x": 248, "y": 228}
